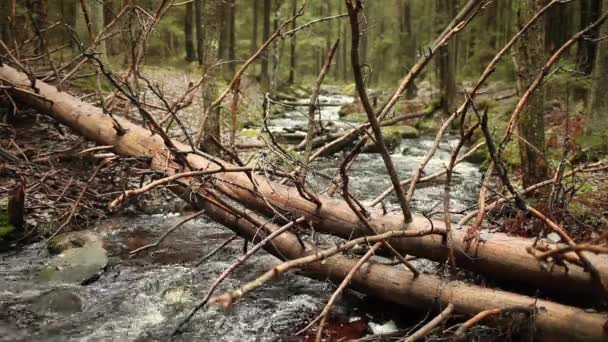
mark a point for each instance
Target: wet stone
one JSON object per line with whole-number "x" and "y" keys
{"x": 66, "y": 241}
{"x": 59, "y": 301}
{"x": 75, "y": 266}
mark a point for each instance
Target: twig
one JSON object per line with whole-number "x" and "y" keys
{"x": 460, "y": 332}
{"x": 169, "y": 231}
{"x": 432, "y": 324}
{"x": 230, "y": 297}
{"x": 77, "y": 203}
{"x": 216, "y": 249}
{"x": 340, "y": 289}
{"x": 353, "y": 13}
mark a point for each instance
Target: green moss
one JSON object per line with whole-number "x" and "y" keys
{"x": 349, "y": 89}
{"x": 426, "y": 125}
{"x": 250, "y": 132}
{"x": 5, "y": 227}
{"x": 586, "y": 188}
{"x": 355, "y": 117}
{"x": 510, "y": 155}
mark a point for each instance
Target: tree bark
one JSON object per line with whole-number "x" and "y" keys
{"x": 254, "y": 36}
{"x": 499, "y": 256}
{"x": 590, "y": 12}
{"x": 200, "y": 32}
{"x": 446, "y": 58}
{"x": 552, "y": 321}
{"x": 598, "y": 101}
{"x": 189, "y": 32}
{"x": 265, "y": 76}
{"x": 213, "y": 26}
{"x": 292, "y": 55}
{"x": 531, "y": 125}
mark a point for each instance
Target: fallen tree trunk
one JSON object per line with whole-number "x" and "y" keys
{"x": 553, "y": 321}
{"x": 499, "y": 256}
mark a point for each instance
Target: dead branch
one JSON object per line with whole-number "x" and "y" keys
{"x": 432, "y": 324}
{"x": 168, "y": 232}
{"x": 353, "y": 14}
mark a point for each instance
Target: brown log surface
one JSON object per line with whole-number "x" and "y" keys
{"x": 499, "y": 256}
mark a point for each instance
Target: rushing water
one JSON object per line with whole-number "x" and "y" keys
{"x": 144, "y": 297}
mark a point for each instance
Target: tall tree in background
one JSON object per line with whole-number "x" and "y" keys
{"x": 4, "y": 21}
{"x": 189, "y": 32}
{"x": 212, "y": 9}
{"x": 200, "y": 32}
{"x": 531, "y": 125}
{"x": 254, "y": 36}
{"x": 446, "y": 59}
{"x": 558, "y": 25}
{"x": 408, "y": 40}
{"x": 265, "y": 76}
{"x": 587, "y": 47}
{"x": 39, "y": 10}
{"x": 90, "y": 25}
{"x": 598, "y": 102}
{"x": 292, "y": 53}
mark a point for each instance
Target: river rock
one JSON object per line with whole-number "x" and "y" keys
{"x": 65, "y": 241}
{"x": 392, "y": 138}
{"x": 58, "y": 300}
{"x": 77, "y": 266}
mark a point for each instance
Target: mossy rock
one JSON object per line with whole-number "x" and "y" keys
{"x": 6, "y": 228}
{"x": 75, "y": 266}
{"x": 250, "y": 132}
{"x": 408, "y": 132}
{"x": 350, "y": 109}
{"x": 427, "y": 125}
{"x": 392, "y": 139}
{"x": 349, "y": 89}
{"x": 355, "y": 117}
{"x": 12, "y": 215}
{"x": 63, "y": 242}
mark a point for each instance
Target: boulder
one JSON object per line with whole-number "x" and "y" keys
{"x": 59, "y": 300}
{"x": 66, "y": 241}
{"x": 78, "y": 266}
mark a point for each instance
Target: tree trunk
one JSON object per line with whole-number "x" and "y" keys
{"x": 213, "y": 10}
{"x": 232, "y": 37}
{"x": 254, "y": 36}
{"x": 39, "y": 11}
{"x": 598, "y": 101}
{"x": 552, "y": 321}
{"x": 265, "y": 76}
{"x": 5, "y": 19}
{"x": 189, "y": 32}
{"x": 531, "y": 125}
{"x": 590, "y": 11}
{"x": 446, "y": 58}
{"x": 200, "y": 31}
{"x": 292, "y": 55}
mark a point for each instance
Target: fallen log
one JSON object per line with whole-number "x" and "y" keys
{"x": 497, "y": 255}
{"x": 553, "y": 321}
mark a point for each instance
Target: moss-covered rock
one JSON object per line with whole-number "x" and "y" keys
{"x": 75, "y": 266}
{"x": 408, "y": 132}
{"x": 392, "y": 139}
{"x": 427, "y": 125}
{"x": 6, "y": 228}
{"x": 63, "y": 242}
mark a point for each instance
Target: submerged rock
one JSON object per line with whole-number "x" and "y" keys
{"x": 59, "y": 301}
{"x": 63, "y": 242}
{"x": 81, "y": 260}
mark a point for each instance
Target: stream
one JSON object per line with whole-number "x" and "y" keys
{"x": 143, "y": 298}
